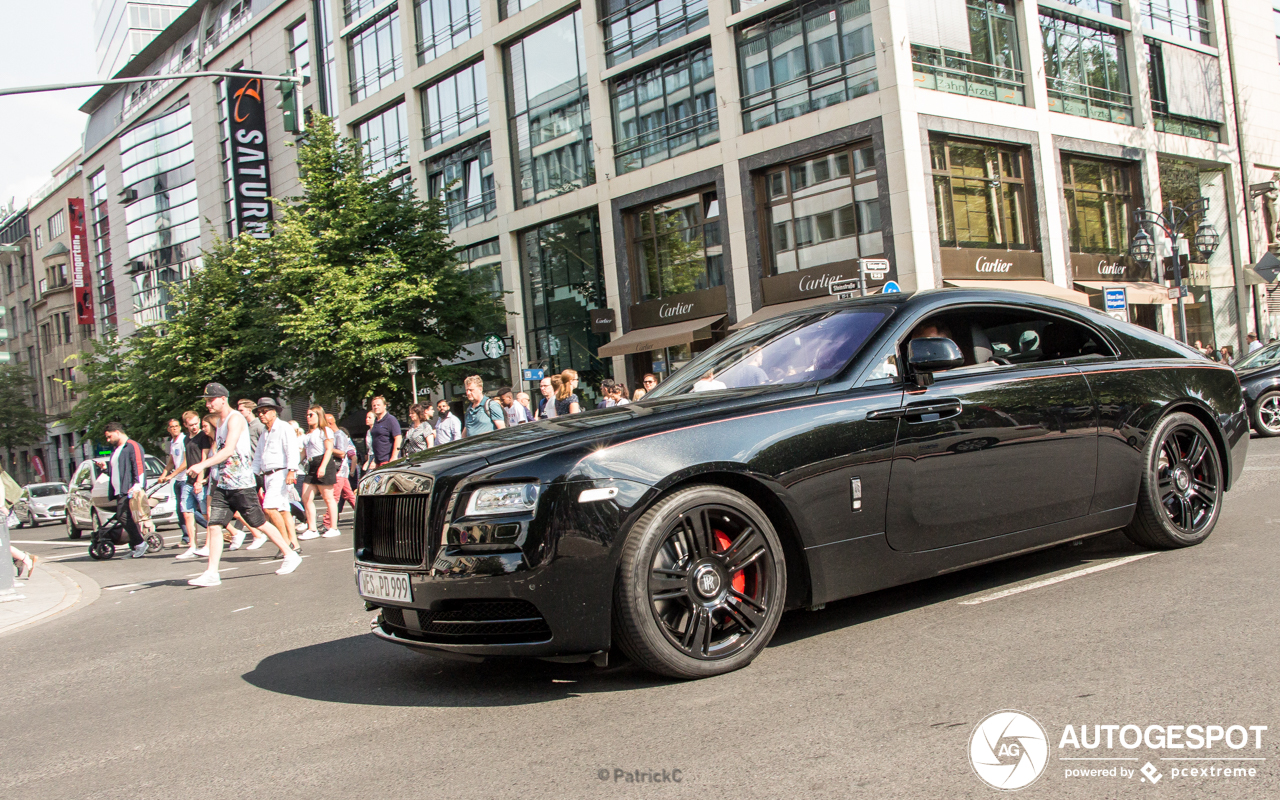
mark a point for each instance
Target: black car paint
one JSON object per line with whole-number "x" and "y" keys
{"x": 1258, "y": 381}
{"x": 795, "y": 451}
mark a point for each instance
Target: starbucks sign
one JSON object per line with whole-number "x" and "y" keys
{"x": 493, "y": 346}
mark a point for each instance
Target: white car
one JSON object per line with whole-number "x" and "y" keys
{"x": 41, "y": 502}
{"x": 82, "y": 516}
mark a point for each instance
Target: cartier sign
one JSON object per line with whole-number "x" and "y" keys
{"x": 1102, "y": 267}
{"x": 677, "y": 308}
{"x": 813, "y": 282}
{"x": 963, "y": 262}
{"x": 603, "y": 320}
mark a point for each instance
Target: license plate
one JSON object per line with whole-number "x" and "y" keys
{"x": 392, "y": 586}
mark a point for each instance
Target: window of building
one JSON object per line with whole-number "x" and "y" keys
{"x": 551, "y": 115}
{"x": 299, "y": 51}
{"x": 225, "y": 18}
{"x": 224, "y": 156}
{"x": 57, "y": 224}
{"x": 1085, "y": 68}
{"x": 162, "y": 215}
{"x": 563, "y": 284}
{"x": 463, "y": 180}
{"x": 1185, "y": 19}
{"x": 39, "y": 238}
{"x": 1161, "y": 117}
{"x": 664, "y": 110}
{"x": 353, "y": 10}
{"x": 374, "y": 56}
{"x": 980, "y": 191}
{"x": 8, "y": 273}
{"x": 676, "y": 246}
{"x": 992, "y": 70}
{"x": 823, "y": 210}
{"x": 27, "y": 324}
{"x": 805, "y": 59}
{"x": 1275, "y": 23}
{"x": 508, "y": 8}
{"x": 1100, "y": 202}
{"x": 386, "y": 138}
{"x": 632, "y": 27}
{"x": 483, "y": 264}
{"x": 46, "y": 337}
{"x": 454, "y": 105}
{"x": 328, "y": 72}
{"x": 57, "y": 275}
{"x": 443, "y": 25}
{"x": 1107, "y": 8}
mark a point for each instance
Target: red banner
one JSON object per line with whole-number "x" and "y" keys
{"x": 81, "y": 278}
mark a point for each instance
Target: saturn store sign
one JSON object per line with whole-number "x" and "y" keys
{"x": 250, "y": 166}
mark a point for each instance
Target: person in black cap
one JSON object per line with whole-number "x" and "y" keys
{"x": 234, "y": 488}
{"x": 276, "y": 459}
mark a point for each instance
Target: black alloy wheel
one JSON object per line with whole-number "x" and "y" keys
{"x": 102, "y": 550}
{"x": 1181, "y": 493}
{"x": 702, "y": 584}
{"x": 1266, "y": 414}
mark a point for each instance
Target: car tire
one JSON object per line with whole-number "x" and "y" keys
{"x": 1180, "y": 496}
{"x": 33, "y": 522}
{"x": 72, "y": 531}
{"x": 701, "y": 586}
{"x": 1266, "y": 414}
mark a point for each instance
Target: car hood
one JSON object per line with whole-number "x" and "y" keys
{"x": 50, "y": 500}
{"x": 634, "y": 419}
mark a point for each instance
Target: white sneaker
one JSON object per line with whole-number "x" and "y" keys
{"x": 237, "y": 540}
{"x": 203, "y": 551}
{"x": 309, "y": 534}
{"x": 291, "y": 563}
{"x": 258, "y": 541}
{"x": 332, "y": 532}
{"x": 206, "y": 579}
{"x": 189, "y": 553}
{"x": 300, "y": 527}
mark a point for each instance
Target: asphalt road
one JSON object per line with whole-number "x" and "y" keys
{"x": 271, "y": 686}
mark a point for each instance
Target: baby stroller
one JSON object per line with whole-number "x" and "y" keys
{"x": 102, "y": 546}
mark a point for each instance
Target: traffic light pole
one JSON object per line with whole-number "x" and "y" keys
{"x": 176, "y": 76}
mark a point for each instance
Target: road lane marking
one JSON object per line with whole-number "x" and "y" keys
{"x": 54, "y": 543}
{"x": 1097, "y": 759}
{"x": 278, "y": 560}
{"x": 246, "y": 608}
{"x": 133, "y": 585}
{"x": 1057, "y": 579}
{"x": 224, "y": 569}
{"x": 341, "y": 550}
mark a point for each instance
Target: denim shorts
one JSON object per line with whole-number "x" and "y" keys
{"x": 186, "y": 496}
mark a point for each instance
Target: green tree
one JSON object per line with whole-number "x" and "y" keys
{"x": 20, "y": 423}
{"x": 358, "y": 273}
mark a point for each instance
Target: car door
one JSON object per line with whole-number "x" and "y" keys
{"x": 992, "y": 448}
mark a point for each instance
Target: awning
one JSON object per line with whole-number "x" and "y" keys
{"x": 1044, "y": 288}
{"x": 642, "y": 339}
{"x": 1142, "y": 293}
{"x": 1268, "y": 267}
{"x": 769, "y": 312}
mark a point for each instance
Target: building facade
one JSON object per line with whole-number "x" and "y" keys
{"x": 636, "y": 179}
{"x": 122, "y": 28}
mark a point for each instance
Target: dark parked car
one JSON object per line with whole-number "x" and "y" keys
{"x": 1260, "y": 379}
{"x": 834, "y": 451}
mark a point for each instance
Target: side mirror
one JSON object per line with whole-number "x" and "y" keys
{"x": 932, "y": 354}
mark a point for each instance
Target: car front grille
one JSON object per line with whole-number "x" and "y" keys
{"x": 392, "y": 529}
{"x": 473, "y": 622}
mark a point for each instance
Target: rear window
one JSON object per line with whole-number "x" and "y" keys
{"x": 779, "y": 352}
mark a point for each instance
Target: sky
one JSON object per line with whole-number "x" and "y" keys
{"x": 50, "y": 41}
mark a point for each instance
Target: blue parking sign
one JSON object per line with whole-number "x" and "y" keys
{"x": 1114, "y": 298}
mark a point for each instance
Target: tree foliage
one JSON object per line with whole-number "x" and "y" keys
{"x": 358, "y": 274}
{"x": 21, "y": 424}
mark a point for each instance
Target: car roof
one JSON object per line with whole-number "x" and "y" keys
{"x": 46, "y": 483}
{"x": 935, "y": 297}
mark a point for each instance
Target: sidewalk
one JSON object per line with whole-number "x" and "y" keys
{"x": 53, "y": 589}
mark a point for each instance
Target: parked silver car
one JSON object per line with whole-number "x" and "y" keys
{"x": 41, "y": 502}
{"x": 81, "y": 515}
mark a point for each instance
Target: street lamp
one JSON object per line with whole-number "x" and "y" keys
{"x": 1142, "y": 248}
{"x": 412, "y": 361}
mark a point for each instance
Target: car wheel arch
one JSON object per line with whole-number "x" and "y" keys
{"x": 799, "y": 582}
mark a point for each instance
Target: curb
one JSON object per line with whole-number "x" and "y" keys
{"x": 79, "y": 590}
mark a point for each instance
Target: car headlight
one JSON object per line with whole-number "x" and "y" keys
{"x": 506, "y": 498}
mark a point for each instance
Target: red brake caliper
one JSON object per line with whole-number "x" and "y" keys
{"x": 722, "y": 543}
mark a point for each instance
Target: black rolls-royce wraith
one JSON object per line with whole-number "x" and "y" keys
{"x": 809, "y": 457}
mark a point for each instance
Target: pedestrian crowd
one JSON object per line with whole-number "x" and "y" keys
{"x": 241, "y": 470}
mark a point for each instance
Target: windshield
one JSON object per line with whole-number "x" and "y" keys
{"x": 48, "y": 489}
{"x": 776, "y": 352}
{"x": 1263, "y": 358}
{"x": 154, "y": 466}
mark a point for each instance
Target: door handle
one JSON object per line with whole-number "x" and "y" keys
{"x": 887, "y": 413}
{"x": 945, "y": 408}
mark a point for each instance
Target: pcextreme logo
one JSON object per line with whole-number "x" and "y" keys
{"x": 1008, "y": 750}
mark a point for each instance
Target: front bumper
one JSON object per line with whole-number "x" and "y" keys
{"x": 547, "y": 593}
